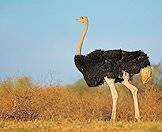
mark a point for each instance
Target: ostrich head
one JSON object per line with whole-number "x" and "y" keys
{"x": 83, "y": 20}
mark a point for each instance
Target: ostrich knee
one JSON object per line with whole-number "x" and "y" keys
{"x": 134, "y": 90}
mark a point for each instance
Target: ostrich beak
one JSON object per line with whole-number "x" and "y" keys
{"x": 78, "y": 19}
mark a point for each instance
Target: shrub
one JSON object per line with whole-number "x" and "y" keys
{"x": 21, "y": 100}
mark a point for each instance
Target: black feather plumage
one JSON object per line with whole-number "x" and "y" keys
{"x": 99, "y": 64}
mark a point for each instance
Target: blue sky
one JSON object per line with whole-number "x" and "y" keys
{"x": 38, "y": 37}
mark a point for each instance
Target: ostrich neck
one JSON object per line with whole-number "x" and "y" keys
{"x": 79, "y": 46}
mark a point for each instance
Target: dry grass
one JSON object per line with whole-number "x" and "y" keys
{"x": 22, "y": 101}
{"x": 26, "y": 107}
{"x": 78, "y": 126}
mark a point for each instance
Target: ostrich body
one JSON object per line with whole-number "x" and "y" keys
{"x": 112, "y": 66}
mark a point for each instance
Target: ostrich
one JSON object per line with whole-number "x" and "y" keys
{"x": 112, "y": 66}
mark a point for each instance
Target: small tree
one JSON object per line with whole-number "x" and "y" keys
{"x": 157, "y": 74}
{"x": 22, "y": 82}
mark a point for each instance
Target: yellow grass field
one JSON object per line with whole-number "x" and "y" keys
{"x": 77, "y": 126}
{"x": 28, "y": 107}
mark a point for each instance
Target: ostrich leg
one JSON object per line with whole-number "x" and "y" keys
{"x": 114, "y": 94}
{"x": 134, "y": 91}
